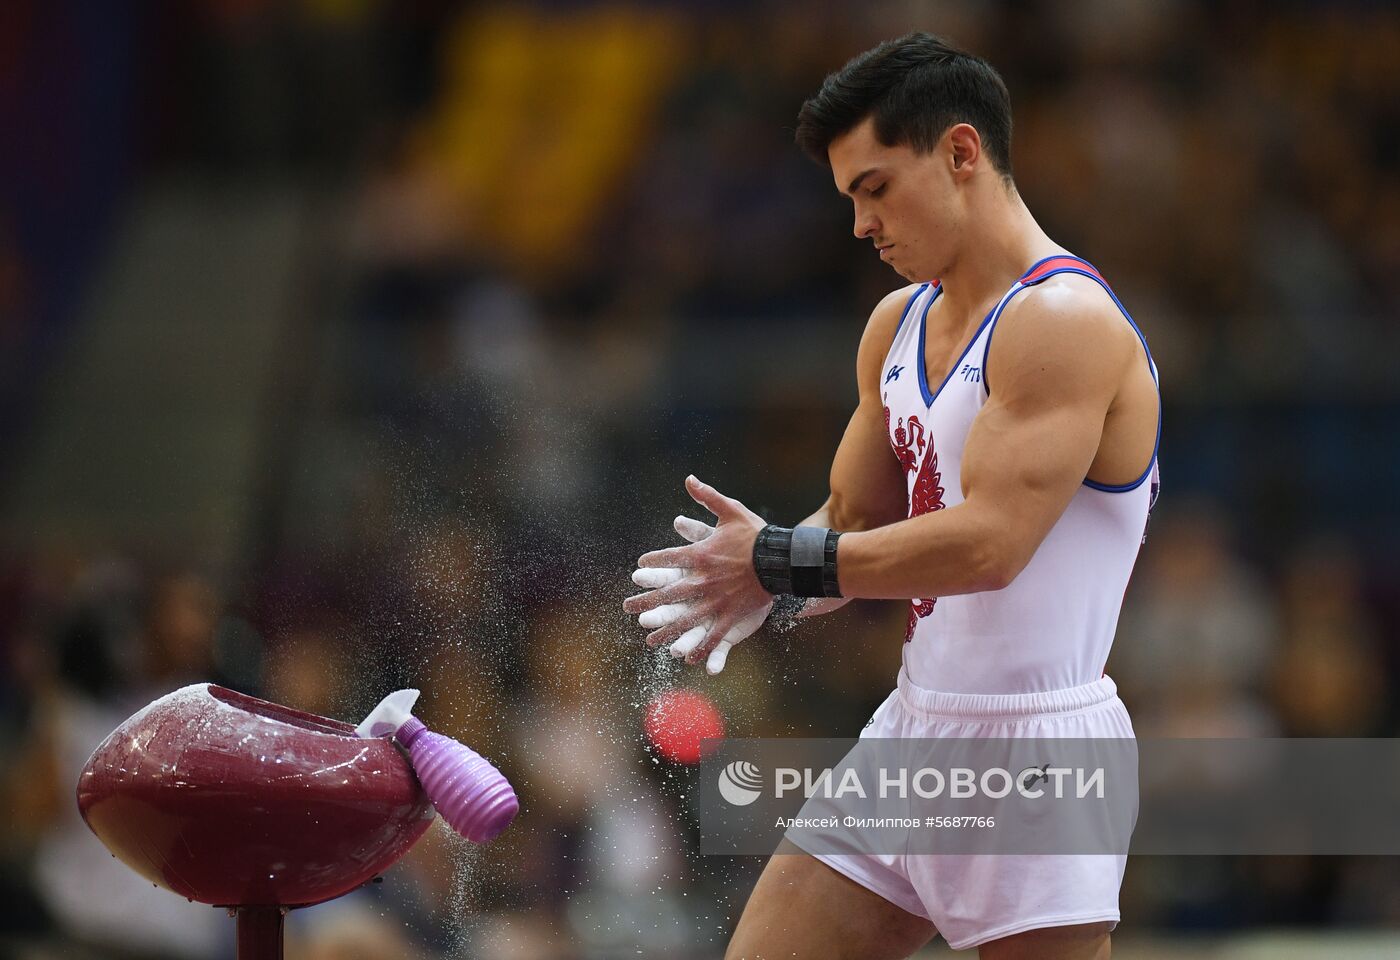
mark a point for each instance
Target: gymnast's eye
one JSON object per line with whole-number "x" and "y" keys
{"x": 880, "y": 189}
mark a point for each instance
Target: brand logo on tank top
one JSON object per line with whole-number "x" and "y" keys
{"x": 894, "y": 373}
{"x": 971, "y": 374}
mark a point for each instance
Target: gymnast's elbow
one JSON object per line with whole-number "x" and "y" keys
{"x": 994, "y": 561}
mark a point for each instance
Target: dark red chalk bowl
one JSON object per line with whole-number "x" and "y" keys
{"x": 234, "y": 801}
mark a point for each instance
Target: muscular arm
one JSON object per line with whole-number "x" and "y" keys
{"x": 867, "y": 487}
{"x": 1058, "y": 359}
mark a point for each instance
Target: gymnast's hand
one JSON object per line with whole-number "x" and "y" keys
{"x": 705, "y": 597}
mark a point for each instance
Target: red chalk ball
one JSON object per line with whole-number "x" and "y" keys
{"x": 676, "y": 723}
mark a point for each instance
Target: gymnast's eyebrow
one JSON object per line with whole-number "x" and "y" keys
{"x": 855, "y": 184}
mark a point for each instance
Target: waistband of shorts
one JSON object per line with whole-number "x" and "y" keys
{"x": 1004, "y": 706}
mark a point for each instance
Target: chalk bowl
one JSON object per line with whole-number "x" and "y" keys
{"x": 234, "y": 801}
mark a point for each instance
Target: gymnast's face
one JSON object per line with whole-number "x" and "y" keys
{"x": 910, "y": 205}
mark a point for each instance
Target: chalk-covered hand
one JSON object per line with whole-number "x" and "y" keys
{"x": 704, "y": 598}
{"x": 668, "y": 613}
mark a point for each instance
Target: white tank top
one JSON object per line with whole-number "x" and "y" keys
{"x": 1052, "y": 627}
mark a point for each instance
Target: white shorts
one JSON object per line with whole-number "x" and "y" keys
{"x": 972, "y": 899}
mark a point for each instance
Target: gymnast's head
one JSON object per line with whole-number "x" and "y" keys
{"x": 917, "y": 134}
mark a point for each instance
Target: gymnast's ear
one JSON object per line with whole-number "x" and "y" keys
{"x": 963, "y": 147}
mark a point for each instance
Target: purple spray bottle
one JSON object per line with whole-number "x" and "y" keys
{"x": 471, "y": 794}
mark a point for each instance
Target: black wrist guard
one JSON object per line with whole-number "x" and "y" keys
{"x": 797, "y": 560}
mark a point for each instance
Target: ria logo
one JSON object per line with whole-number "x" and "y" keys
{"x": 740, "y": 783}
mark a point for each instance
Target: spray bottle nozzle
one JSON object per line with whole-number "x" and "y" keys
{"x": 393, "y": 712}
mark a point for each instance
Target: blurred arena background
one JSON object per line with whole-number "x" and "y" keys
{"x": 354, "y": 344}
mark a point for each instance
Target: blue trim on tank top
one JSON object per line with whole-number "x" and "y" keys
{"x": 991, "y": 316}
{"x": 1124, "y": 487}
{"x": 1151, "y": 367}
{"x": 1151, "y": 364}
{"x": 907, "y": 307}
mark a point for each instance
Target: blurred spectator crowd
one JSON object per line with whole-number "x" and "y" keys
{"x": 566, "y": 255}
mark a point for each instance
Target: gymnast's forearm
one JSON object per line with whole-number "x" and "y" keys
{"x": 941, "y": 554}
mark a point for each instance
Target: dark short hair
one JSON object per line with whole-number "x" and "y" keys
{"x": 916, "y": 87}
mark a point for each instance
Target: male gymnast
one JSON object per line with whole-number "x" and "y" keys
{"x": 997, "y": 474}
